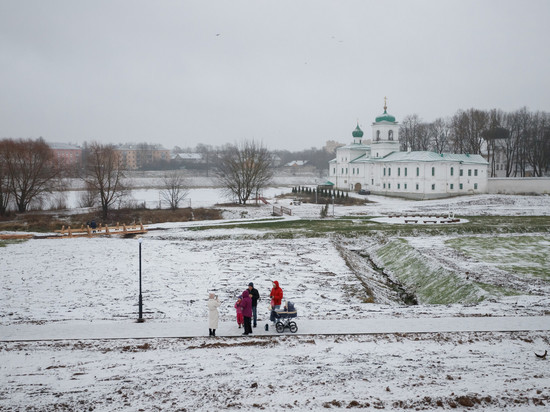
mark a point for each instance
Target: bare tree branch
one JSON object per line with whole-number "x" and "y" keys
{"x": 30, "y": 170}
{"x": 104, "y": 174}
{"x": 244, "y": 169}
{"x": 174, "y": 190}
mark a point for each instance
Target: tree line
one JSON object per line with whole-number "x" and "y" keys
{"x": 518, "y": 142}
{"x": 30, "y": 172}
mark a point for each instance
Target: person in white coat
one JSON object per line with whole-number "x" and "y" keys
{"x": 213, "y": 316}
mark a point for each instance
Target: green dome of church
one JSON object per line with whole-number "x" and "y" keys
{"x": 357, "y": 132}
{"x": 385, "y": 117}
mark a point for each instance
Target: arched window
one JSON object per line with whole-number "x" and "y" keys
{"x": 377, "y": 135}
{"x": 390, "y": 135}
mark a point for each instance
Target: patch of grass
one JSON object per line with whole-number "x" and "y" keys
{"x": 431, "y": 284}
{"x": 498, "y": 290}
{"x": 6, "y": 242}
{"x": 351, "y": 226}
{"x": 48, "y": 222}
{"x": 527, "y": 255}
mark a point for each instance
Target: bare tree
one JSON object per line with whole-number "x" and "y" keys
{"x": 89, "y": 197}
{"x": 409, "y": 132}
{"x": 467, "y": 128}
{"x": 4, "y": 182}
{"x": 439, "y": 135}
{"x": 494, "y": 137}
{"x": 423, "y": 137}
{"x": 174, "y": 190}
{"x": 104, "y": 174}
{"x": 244, "y": 169}
{"x": 30, "y": 170}
{"x": 538, "y": 143}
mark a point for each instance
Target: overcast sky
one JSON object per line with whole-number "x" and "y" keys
{"x": 290, "y": 74}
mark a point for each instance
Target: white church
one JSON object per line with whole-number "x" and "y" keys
{"x": 379, "y": 166}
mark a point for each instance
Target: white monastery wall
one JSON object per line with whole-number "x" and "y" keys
{"x": 518, "y": 185}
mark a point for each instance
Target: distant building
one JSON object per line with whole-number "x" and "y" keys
{"x": 187, "y": 157}
{"x": 139, "y": 156}
{"x": 296, "y": 163}
{"x": 67, "y": 155}
{"x": 378, "y": 165}
{"x": 332, "y": 145}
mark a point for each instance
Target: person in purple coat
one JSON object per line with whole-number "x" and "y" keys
{"x": 246, "y": 304}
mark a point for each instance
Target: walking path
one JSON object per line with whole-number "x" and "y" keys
{"x": 82, "y": 330}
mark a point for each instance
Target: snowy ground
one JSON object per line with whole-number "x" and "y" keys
{"x": 47, "y": 282}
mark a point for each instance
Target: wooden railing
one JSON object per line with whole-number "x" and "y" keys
{"x": 279, "y": 211}
{"x": 102, "y": 230}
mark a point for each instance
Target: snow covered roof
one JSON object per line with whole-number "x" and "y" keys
{"x": 355, "y": 146}
{"x": 188, "y": 156}
{"x": 63, "y": 146}
{"x": 297, "y": 163}
{"x": 426, "y": 157}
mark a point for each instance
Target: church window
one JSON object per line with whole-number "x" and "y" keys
{"x": 377, "y": 135}
{"x": 399, "y": 186}
{"x": 452, "y": 186}
{"x": 452, "y": 171}
{"x": 398, "y": 171}
{"x": 389, "y": 171}
{"x": 405, "y": 171}
{"x": 390, "y": 135}
{"x": 333, "y": 170}
{"x": 433, "y": 171}
{"x": 461, "y": 172}
{"x": 460, "y": 186}
{"x": 418, "y": 171}
{"x": 475, "y": 172}
{"x": 433, "y": 187}
{"x": 469, "y": 172}
{"x": 384, "y": 185}
{"x": 384, "y": 171}
{"x": 372, "y": 182}
{"x": 475, "y": 186}
{"x": 389, "y": 185}
{"x": 346, "y": 170}
{"x": 405, "y": 185}
{"x": 417, "y": 186}
{"x": 342, "y": 170}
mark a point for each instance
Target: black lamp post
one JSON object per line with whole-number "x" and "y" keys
{"x": 140, "y": 303}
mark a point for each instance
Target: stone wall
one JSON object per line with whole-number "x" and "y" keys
{"x": 518, "y": 185}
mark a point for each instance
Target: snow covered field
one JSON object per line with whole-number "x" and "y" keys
{"x": 48, "y": 281}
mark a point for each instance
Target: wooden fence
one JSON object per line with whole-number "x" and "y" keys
{"x": 87, "y": 231}
{"x": 279, "y": 211}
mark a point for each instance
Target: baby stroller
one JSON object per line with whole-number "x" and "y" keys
{"x": 284, "y": 316}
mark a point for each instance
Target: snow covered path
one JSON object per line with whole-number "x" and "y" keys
{"x": 80, "y": 330}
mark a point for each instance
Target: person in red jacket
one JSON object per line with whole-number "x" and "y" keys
{"x": 276, "y": 296}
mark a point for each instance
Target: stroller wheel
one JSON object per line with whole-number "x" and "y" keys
{"x": 280, "y": 327}
{"x": 293, "y": 327}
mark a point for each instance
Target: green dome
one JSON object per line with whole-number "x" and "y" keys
{"x": 357, "y": 132}
{"x": 385, "y": 117}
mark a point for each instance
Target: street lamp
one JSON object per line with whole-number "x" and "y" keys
{"x": 140, "y": 303}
